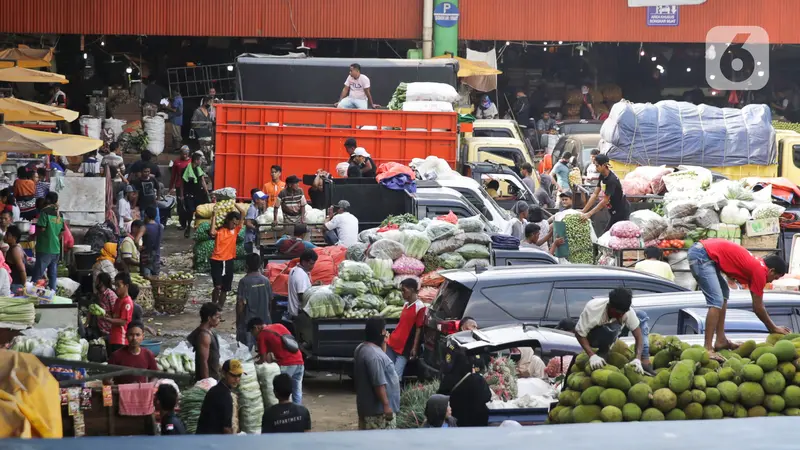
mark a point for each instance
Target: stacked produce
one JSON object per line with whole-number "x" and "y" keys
{"x": 779, "y": 125}
{"x": 175, "y": 362}
{"x": 139, "y": 280}
{"x": 579, "y": 239}
{"x": 625, "y": 234}
{"x": 70, "y": 346}
{"x": 221, "y": 209}
{"x": 755, "y": 380}
{"x": 40, "y": 342}
{"x": 501, "y": 378}
{"x": 266, "y": 373}
{"x": 17, "y": 311}
{"x": 412, "y": 404}
{"x": 204, "y": 247}
{"x": 423, "y": 96}
{"x": 251, "y": 404}
{"x": 398, "y": 98}
{"x": 267, "y": 220}
{"x": 191, "y": 402}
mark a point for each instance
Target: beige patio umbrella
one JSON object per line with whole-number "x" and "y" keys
{"x": 17, "y": 110}
{"x": 22, "y": 140}
{"x": 23, "y": 75}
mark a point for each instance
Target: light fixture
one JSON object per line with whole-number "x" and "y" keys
{"x": 580, "y": 52}
{"x": 85, "y": 56}
{"x": 688, "y": 69}
{"x": 129, "y": 70}
{"x": 545, "y": 49}
{"x": 642, "y": 53}
{"x": 230, "y": 68}
{"x": 713, "y": 93}
{"x": 545, "y": 42}
{"x": 508, "y": 43}
{"x": 761, "y": 73}
{"x": 653, "y": 59}
{"x": 560, "y": 42}
{"x": 102, "y": 43}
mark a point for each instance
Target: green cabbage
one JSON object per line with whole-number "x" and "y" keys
{"x": 394, "y": 298}
{"x": 381, "y": 268}
{"x": 370, "y": 301}
{"x": 342, "y": 287}
{"x": 474, "y": 251}
{"x": 416, "y": 243}
{"x": 354, "y": 271}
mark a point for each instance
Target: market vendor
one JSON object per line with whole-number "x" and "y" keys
{"x": 195, "y": 190}
{"x": 105, "y": 263}
{"x": 404, "y": 342}
{"x": 295, "y": 245}
{"x": 205, "y": 342}
{"x": 614, "y": 198}
{"x": 223, "y": 255}
{"x": 15, "y": 256}
{"x": 601, "y": 323}
{"x": 107, "y": 299}
{"x": 129, "y": 254}
{"x": 216, "y": 414}
{"x": 272, "y": 347}
{"x": 133, "y": 355}
{"x": 257, "y": 208}
{"x": 341, "y": 227}
{"x": 710, "y": 258}
{"x": 122, "y": 315}
{"x": 292, "y": 202}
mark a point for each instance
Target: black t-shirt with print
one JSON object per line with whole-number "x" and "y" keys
{"x": 612, "y": 187}
{"x": 286, "y": 418}
{"x": 148, "y": 190}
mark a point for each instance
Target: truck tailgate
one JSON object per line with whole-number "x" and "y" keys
{"x": 334, "y": 339}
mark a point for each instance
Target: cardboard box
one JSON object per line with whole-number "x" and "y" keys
{"x": 725, "y": 231}
{"x": 762, "y": 227}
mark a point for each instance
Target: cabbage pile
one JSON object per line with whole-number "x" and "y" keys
{"x": 381, "y": 268}
{"x": 342, "y": 287}
{"x": 321, "y": 301}
{"x": 266, "y": 373}
{"x": 176, "y": 360}
{"x": 191, "y": 402}
{"x": 18, "y": 310}
{"x": 70, "y": 346}
{"x": 354, "y": 271}
{"x": 251, "y": 403}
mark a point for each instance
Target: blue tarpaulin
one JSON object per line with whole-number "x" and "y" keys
{"x": 673, "y": 133}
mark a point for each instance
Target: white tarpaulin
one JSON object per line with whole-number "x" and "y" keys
{"x": 485, "y": 83}
{"x": 635, "y": 3}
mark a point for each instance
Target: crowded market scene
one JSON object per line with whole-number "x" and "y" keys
{"x": 486, "y": 222}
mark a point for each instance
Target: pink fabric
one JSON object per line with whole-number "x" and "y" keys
{"x": 136, "y": 399}
{"x": 4, "y": 265}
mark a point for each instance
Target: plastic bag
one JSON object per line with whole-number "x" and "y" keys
{"x": 394, "y": 298}
{"x": 399, "y": 279}
{"x": 618, "y": 243}
{"x": 625, "y": 229}
{"x": 705, "y": 217}
{"x": 428, "y": 294}
{"x": 368, "y": 236}
{"x": 448, "y": 245}
{"x": 635, "y": 186}
{"x": 471, "y": 224}
{"x": 674, "y": 232}
{"x": 68, "y": 285}
{"x": 408, "y": 226}
{"x": 370, "y": 301}
{"x": 408, "y": 266}
{"x": 341, "y": 287}
{"x": 736, "y": 191}
{"x": 395, "y": 235}
{"x": 478, "y": 264}
{"x": 416, "y": 243}
{"x": 226, "y": 193}
{"x": 477, "y": 238}
{"x": 473, "y": 251}
{"x": 449, "y": 218}
{"x": 439, "y": 229}
{"x": 320, "y": 301}
{"x": 734, "y": 215}
{"x": 762, "y": 211}
{"x": 356, "y": 252}
{"x": 452, "y": 261}
{"x": 650, "y": 223}
{"x": 432, "y": 279}
{"x": 386, "y": 249}
{"x": 266, "y": 373}
{"x": 354, "y": 271}
{"x": 681, "y": 209}
{"x": 381, "y": 268}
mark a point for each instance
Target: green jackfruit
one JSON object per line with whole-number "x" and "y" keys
{"x": 661, "y": 380}
{"x": 612, "y": 397}
{"x": 699, "y": 382}
{"x": 774, "y": 337}
{"x": 726, "y": 374}
{"x": 585, "y": 413}
{"x": 684, "y": 398}
{"x": 712, "y": 412}
{"x": 693, "y": 411}
{"x": 631, "y": 412}
{"x": 728, "y": 354}
{"x": 790, "y": 336}
{"x": 792, "y": 396}
{"x": 727, "y": 408}
{"x": 788, "y": 370}
{"x": 665, "y": 400}
{"x": 752, "y": 372}
{"x": 703, "y": 371}
{"x": 590, "y": 396}
{"x": 785, "y": 351}
{"x": 662, "y": 359}
{"x": 712, "y": 396}
{"x": 565, "y": 415}
{"x": 579, "y": 381}
{"x": 757, "y": 411}
{"x": 773, "y": 383}
{"x": 553, "y": 416}
{"x": 728, "y": 391}
{"x": 639, "y": 394}
{"x": 759, "y": 351}
{"x": 698, "y": 396}
{"x": 611, "y": 414}
{"x": 739, "y": 411}
{"x": 582, "y": 360}
{"x": 652, "y": 415}
{"x": 610, "y": 379}
{"x": 680, "y": 379}
{"x": 767, "y": 361}
{"x": 619, "y": 347}
{"x": 577, "y": 369}
{"x": 745, "y": 349}
{"x": 751, "y": 394}
{"x": 735, "y": 364}
{"x": 796, "y": 379}
{"x": 792, "y": 412}
{"x": 746, "y": 361}
{"x": 774, "y": 414}
{"x": 774, "y": 403}
{"x": 699, "y": 355}
{"x": 675, "y": 414}
{"x": 568, "y": 397}
{"x": 617, "y": 360}
{"x": 712, "y": 378}
{"x": 632, "y": 375}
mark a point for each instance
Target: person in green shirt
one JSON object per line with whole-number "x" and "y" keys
{"x": 49, "y": 230}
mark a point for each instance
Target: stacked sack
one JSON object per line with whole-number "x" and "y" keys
{"x": 251, "y": 403}
{"x": 755, "y": 380}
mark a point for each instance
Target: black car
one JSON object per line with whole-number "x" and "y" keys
{"x": 539, "y": 295}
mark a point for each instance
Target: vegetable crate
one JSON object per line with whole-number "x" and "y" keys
{"x": 762, "y": 244}
{"x": 170, "y": 296}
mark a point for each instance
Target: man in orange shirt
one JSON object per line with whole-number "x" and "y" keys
{"x": 223, "y": 255}
{"x": 274, "y": 187}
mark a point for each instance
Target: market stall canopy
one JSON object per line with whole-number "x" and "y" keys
{"x": 23, "y": 140}
{"x": 23, "y": 75}
{"x": 467, "y": 68}
{"x": 16, "y": 110}
{"x": 24, "y": 56}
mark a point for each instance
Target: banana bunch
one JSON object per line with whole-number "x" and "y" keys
{"x": 139, "y": 280}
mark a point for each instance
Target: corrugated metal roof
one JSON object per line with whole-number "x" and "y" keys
{"x": 614, "y": 21}
{"x": 347, "y": 19}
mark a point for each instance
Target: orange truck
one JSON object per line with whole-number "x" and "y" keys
{"x": 250, "y": 138}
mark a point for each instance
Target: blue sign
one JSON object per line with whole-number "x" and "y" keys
{"x": 663, "y": 16}
{"x": 445, "y": 15}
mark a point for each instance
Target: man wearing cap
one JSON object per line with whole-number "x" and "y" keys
{"x": 357, "y": 162}
{"x": 292, "y": 202}
{"x": 368, "y": 166}
{"x": 216, "y": 414}
{"x": 176, "y": 182}
{"x": 341, "y": 226}
{"x": 128, "y": 208}
{"x": 614, "y": 199}
{"x": 257, "y": 207}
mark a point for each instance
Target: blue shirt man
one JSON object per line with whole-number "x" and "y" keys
{"x": 561, "y": 172}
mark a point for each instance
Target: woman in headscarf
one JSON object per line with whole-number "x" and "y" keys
{"x": 105, "y": 263}
{"x": 437, "y": 413}
{"x": 25, "y": 193}
{"x": 520, "y": 219}
{"x": 5, "y": 277}
{"x": 543, "y": 192}
{"x": 468, "y": 390}
{"x": 486, "y": 109}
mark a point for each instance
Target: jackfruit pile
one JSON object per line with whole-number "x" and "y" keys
{"x": 755, "y": 380}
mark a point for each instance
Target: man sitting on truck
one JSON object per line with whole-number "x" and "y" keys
{"x": 367, "y": 167}
{"x": 292, "y": 202}
{"x": 356, "y": 93}
{"x": 341, "y": 226}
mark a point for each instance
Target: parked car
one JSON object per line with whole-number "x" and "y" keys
{"x": 538, "y": 295}
{"x": 693, "y": 321}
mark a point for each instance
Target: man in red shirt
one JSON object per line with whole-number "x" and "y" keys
{"x": 403, "y": 343}
{"x": 123, "y": 313}
{"x": 271, "y": 348}
{"x": 708, "y": 260}
{"x": 133, "y": 355}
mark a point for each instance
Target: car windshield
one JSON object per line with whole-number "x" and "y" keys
{"x": 580, "y": 128}
{"x": 486, "y": 197}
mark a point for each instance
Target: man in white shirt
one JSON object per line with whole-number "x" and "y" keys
{"x": 356, "y": 93}
{"x": 127, "y": 204}
{"x": 299, "y": 282}
{"x": 601, "y": 323}
{"x": 341, "y": 226}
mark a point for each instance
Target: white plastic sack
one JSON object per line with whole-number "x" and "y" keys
{"x": 734, "y": 215}
{"x": 433, "y": 168}
{"x": 679, "y": 261}
{"x": 90, "y": 126}
{"x": 428, "y": 106}
{"x": 114, "y": 126}
{"x": 430, "y": 92}
{"x": 314, "y": 216}
{"x": 68, "y": 284}
{"x": 154, "y": 128}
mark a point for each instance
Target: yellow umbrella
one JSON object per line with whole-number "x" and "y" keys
{"x": 22, "y": 140}
{"x": 23, "y": 75}
{"x": 17, "y": 110}
{"x": 24, "y": 56}
{"x": 467, "y": 68}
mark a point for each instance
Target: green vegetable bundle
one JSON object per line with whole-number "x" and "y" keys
{"x": 417, "y": 244}
{"x": 381, "y": 268}
{"x": 391, "y": 312}
{"x": 201, "y": 234}
{"x": 342, "y": 287}
{"x": 17, "y": 310}
{"x": 579, "y": 239}
{"x": 452, "y": 261}
{"x": 96, "y": 310}
{"x": 413, "y": 400}
{"x": 202, "y": 256}
{"x": 251, "y": 404}
{"x": 398, "y": 98}
{"x": 399, "y": 220}
{"x": 354, "y": 271}
{"x": 370, "y": 301}
{"x": 394, "y": 298}
{"x": 191, "y": 402}
{"x": 321, "y": 302}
